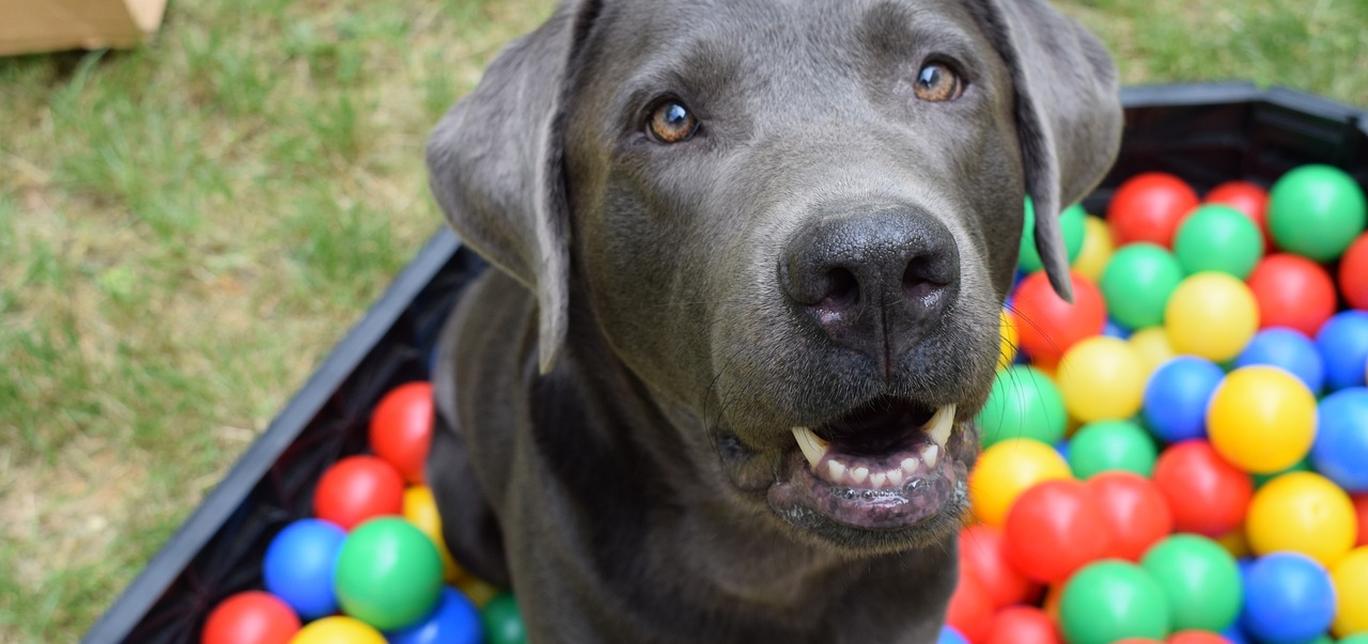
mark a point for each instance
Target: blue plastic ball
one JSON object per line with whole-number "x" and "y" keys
{"x": 1234, "y": 635}
{"x": 1289, "y": 350}
{"x": 1115, "y": 330}
{"x": 949, "y": 635}
{"x": 1341, "y": 448}
{"x": 1177, "y": 395}
{"x": 1343, "y": 344}
{"x": 454, "y": 621}
{"x": 299, "y": 566}
{"x": 1288, "y": 598}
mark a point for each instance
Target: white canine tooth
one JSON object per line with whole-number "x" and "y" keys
{"x": 859, "y": 474}
{"x": 836, "y": 469}
{"x": 895, "y": 477}
{"x": 814, "y": 448}
{"x": 930, "y": 454}
{"x": 877, "y": 479}
{"x": 940, "y": 425}
{"x": 909, "y": 465}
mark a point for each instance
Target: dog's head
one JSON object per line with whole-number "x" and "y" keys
{"x": 794, "y": 221}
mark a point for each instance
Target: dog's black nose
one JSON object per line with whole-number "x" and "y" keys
{"x": 873, "y": 281}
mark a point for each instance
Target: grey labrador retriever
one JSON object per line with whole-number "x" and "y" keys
{"x": 751, "y": 255}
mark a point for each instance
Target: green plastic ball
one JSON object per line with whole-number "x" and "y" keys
{"x": 388, "y": 573}
{"x": 1111, "y": 600}
{"x": 502, "y": 622}
{"x": 1218, "y": 238}
{"x": 1358, "y": 638}
{"x": 1137, "y": 284}
{"x": 1023, "y": 403}
{"x": 1200, "y": 580}
{"x": 1111, "y": 445}
{"x": 1071, "y": 226}
{"x": 1316, "y": 211}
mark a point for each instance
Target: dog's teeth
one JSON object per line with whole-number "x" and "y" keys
{"x": 909, "y": 465}
{"x": 876, "y": 480}
{"x": 895, "y": 477}
{"x": 814, "y": 448}
{"x": 859, "y": 474}
{"x": 930, "y": 454}
{"x": 938, "y": 428}
{"x": 836, "y": 469}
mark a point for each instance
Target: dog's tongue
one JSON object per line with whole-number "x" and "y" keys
{"x": 914, "y": 459}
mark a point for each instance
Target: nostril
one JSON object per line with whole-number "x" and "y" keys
{"x": 917, "y": 280}
{"x": 842, "y": 290}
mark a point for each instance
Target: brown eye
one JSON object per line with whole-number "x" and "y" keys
{"x": 671, "y": 122}
{"x": 936, "y": 83}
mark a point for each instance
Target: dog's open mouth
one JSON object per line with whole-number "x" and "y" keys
{"x": 890, "y": 464}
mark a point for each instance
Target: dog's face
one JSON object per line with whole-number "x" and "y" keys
{"x": 794, "y": 221}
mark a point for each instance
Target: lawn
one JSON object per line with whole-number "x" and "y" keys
{"x": 185, "y": 229}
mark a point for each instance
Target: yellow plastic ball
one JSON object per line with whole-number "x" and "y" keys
{"x": 1008, "y": 468}
{"x": 421, "y": 510}
{"x": 1262, "y": 419}
{"x": 477, "y": 591}
{"x": 1302, "y": 512}
{"x": 1007, "y": 344}
{"x": 1101, "y": 378}
{"x": 338, "y": 630}
{"x": 1152, "y": 345}
{"x": 1097, "y": 249}
{"x": 1350, "y": 577}
{"x": 1212, "y": 315}
{"x": 1235, "y": 543}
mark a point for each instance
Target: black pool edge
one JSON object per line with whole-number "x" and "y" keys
{"x": 147, "y": 588}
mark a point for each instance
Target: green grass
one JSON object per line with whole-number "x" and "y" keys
{"x": 185, "y": 229}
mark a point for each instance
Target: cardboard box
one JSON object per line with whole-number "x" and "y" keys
{"x": 29, "y": 26}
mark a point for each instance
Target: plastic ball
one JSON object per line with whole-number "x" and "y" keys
{"x": 420, "y": 508}
{"x": 1292, "y": 291}
{"x": 401, "y": 428}
{"x": 1235, "y": 543}
{"x": 388, "y": 574}
{"x": 983, "y": 556}
{"x": 1262, "y": 418}
{"x": 1286, "y": 349}
{"x": 1053, "y": 529}
{"x": 1149, "y": 207}
{"x": 1211, "y": 315}
{"x": 358, "y": 488}
{"x": 1206, "y": 493}
{"x": 1111, "y": 445}
{"x": 1023, "y": 403}
{"x": 1152, "y": 345}
{"x": 1097, "y": 249}
{"x": 1137, "y": 284}
{"x": 1049, "y": 325}
{"x": 1316, "y": 211}
{"x": 1288, "y": 598}
{"x": 1196, "y": 637}
{"x": 1353, "y": 273}
{"x": 1199, "y": 578}
{"x": 970, "y": 608}
{"x": 1101, "y": 378}
{"x": 298, "y": 567}
{"x": 1135, "y": 511}
{"x": 1340, "y": 451}
{"x": 948, "y": 635}
{"x": 1070, "y": 227}
{"x": 1218, "y": 238}
{"x": 1177, "y": 395}
{"x": 1343, "y": 344}
{"x": 251, "y": 616}
{"x": 455, "y": 621}
{"x": 1350, "y": 579}
{"x": 1114, "y": 330}
{"x": 1302, "y": 512}
{"x": 1007, "y": 342}
{"x": 1022, "y": 625}
{"x": 1112, "y": 600}
{"x": 477, "y": 590}
{"x": 1248, "y": 198}
{"x": 503, "y": 623}
{"x": 1007, "y": 469}
{"x": 338, "y": 630}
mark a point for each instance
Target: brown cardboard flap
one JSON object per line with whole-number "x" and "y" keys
{"x": 28, "y": 26}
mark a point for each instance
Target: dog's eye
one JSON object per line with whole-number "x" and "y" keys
{"x": 937, "y": 83}
{"x": 670, "y": 121}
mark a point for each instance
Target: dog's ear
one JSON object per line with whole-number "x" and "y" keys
{"x": 1067, "y": 109}
{"x": 495, "y": 165}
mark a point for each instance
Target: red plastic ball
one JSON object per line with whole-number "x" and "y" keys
{"x": 1361, "y": 509}
{"x": 1206, "y": 493}
{"x": 1197, "y": 637}
{"x": 1353, "y": 273}
{"x": 357, "y": 488}
{"x": 1047, "y": 325}
{"x": 1055, "y": 528}
{"x": 1023, "y": 625}
{"x": 1247, "y": 198}
{"x": 1292, "y": 291}
{"x": 970, "y": 610}
{"x": 1134, "y": 508}
{"x": 984, "y": 557}
{"x": 252, "y": 616}
{"x": 401, "y": 429}
{"x": 1148, "y": 208}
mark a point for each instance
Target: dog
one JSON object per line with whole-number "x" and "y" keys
{"x": 749, "y": 261}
